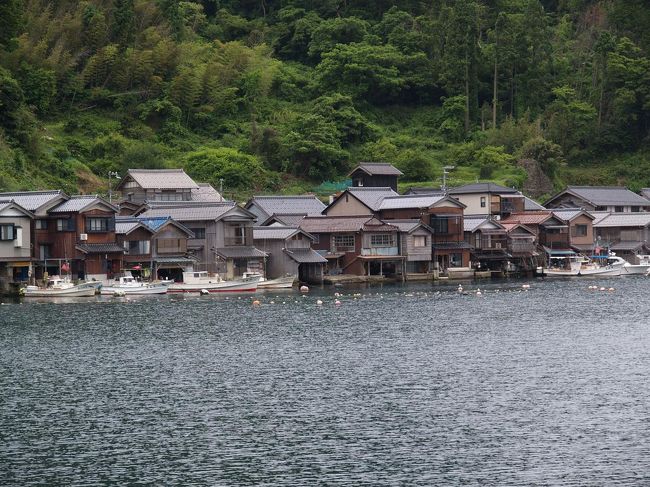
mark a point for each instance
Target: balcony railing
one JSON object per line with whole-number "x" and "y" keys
{"x": 380, "y": 251}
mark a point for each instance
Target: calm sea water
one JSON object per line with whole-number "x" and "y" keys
{"x": 415, "y": 385}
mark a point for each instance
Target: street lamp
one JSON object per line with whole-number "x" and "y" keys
{"x": 445, "y": 172}
{"x": 115, "y": 175}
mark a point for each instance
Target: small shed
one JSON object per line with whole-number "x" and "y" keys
{"x": 375, "y": 174}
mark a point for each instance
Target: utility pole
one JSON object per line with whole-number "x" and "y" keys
{"x": 110, "y": 189}
{"x": 445, "y": 173}
{"x": 221, "y": 188}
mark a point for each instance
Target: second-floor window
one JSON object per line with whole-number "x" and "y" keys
{"x": 381, "y": 240}
{"x": 7, "y": 232}
{"x": 236, "y": 235}
{"x": 344, "y": 242}
{"x": 483, "y": 201}
{"x": 580, "y": 230}
{"x": 618, "y": 209}
{"x": 41, "y": 224}
{"x": 167, "y": 245}
{"x": 198, "y": 232}
{"x": 137, "y": 247}
{"x": 440, "y": 225}
{"x": 94, "y": 224}
{"x": 65, "y": 225}
{"x": 419, "y": 241}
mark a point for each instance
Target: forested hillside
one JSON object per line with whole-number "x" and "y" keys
{"x": 283, "y": 95}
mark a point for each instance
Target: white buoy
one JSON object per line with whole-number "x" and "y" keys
{"x": 319, "y": 302}
{"x": 204, "y": 291}
{"x": 602, "y": 288}
{"x": 336, "y": 295}
{"x": 304, "y": 289}
{"x": 478, "y": 292}
{"x": 611, "y": 289}
{"x": 526, "y": 286}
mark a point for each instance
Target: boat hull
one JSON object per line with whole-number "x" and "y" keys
{"x": 220, "y": 287}
{"x": 80, "y": 291}
{"x": 636, "y": 269}
{"x": 279, "y": 283}
{"x": 134, "y": 290}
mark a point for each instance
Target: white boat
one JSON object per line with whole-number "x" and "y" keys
{"x": 283, "y": 282}
{"x": 641, "y": 268}
{"x": 568, "y": 266}
{"x": 574, "y": 266}
{"x": 198, "y": 281}
{"x": 128, "y": 285}
{"x": 62, "y": 287}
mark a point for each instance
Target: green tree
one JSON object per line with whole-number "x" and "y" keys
{"x": 238, "y": 170}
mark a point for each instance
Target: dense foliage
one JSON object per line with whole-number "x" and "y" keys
{"x": 280, "y": 96}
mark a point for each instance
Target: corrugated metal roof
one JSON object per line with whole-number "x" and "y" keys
{"x": 190, "y": 213}
{"x": 372, "y": 197}
{"x": 607, "y": 195}
{"x": 378, "y": 169}
{"x": 79, "y": 202}
{"x": 240, "y": 252}
{"x": 336, "y": 224}
{"x": 205, "y": 192}
{"x": 161, "y": 179}
{"x": 411, "y": 201}
{"x": 32, "y": 200}
{"x": 482, "y": 188}
{"x": 291, "y": 205}
{"x": 306, "y": 256}
{"x": 624, "y": 220}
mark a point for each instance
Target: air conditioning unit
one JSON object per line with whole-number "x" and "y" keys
{"x": 83, "y": 236}
{"x": 497, "y": 245}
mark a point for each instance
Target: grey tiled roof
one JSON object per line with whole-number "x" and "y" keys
{"x": 32, "y": 200}
{"x": 482, "y": 188}
{"x": 239, "y": 252}
{"x": 161, "y": 179}
{"x": 607, "y": 195}
{"x": 372, "y": 197}
{"x": 416, "y": 190}
{"x": 205, "y": 192}
{"x": 626, "y": 245}
{"x": 78, "y": 203}
{"x": 306, "y": 256}
{"x": 411, "y": 201}
{"x": 599, "y": 215}
{"x": 122, "y": 228}
{"x": 190, "y": 212}
{"x": 407, "y": 225}
{"x": 472, "y": 223}
{"x": 274, "y": 232}
{"x": 290, "y": 220}
{"x": 100, "y": 248}
{"x": 530, "y": 205}
{"x": 568, "y": 214}
{"x": 378, "y": 169}
{"x": 624, "y": 220}
{"x": 337, "y": 224}
{"x": 279, "y": 205}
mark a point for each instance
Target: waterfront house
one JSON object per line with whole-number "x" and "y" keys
{"x": 375, "y": 174}
{"x": 357, "y": 201}
{"x": 489, "y": 199}
{"x": 78, "y": 237}
{"x": 358, "y": 245}
{"x": 15, "y": 244}
{"x": 580, "y": 231}
{"x": 223, "y": 234}
{"x": 488, "y": 240}
{"x": 599, "y": 198}
{"x": 285, "y": 209}
{"x": 154, "y": 248}
{"x": 627, "y": 234}
{"x": 289, "y": 253}
{"x": 140, "y": 185}
{"x": 415, "y": 244}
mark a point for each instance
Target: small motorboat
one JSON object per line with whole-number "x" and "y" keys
{"x": 643, "y": 267}
{"x": 202, "y": 282}
{"x": 128, "y": 285}
{"x": 284, "y": 282}
{"x": 62, "y": 287}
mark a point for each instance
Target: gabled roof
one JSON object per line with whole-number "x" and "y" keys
{"x": 205, "y": 192}
{"x": 126, "y": 224}
{"x": 603, "y": 196}
{"x": 417, "y": 201}
{"x": 265, "y": 206}
{"x": 568, "y": 214}
{"x": 126, "y": 227}
{"x": 624, "y": 220}
{"x": 530, "y": 205}
{"x": 240, "y": 252}
{"x": 193, "y": 212}
{"x": 338, "y": 224}
{"x": 510, "y": 227}
{"x": 377, "y": 169}
{"x": 5, "y": 205}
{"x": 79, "y": 203}
{"x": 159, "y": 179}
{"x": 528, "y": 217}
{"x": 370, "y": 197}
{"x": 482, "y": 188}
{"x": 305, "y": 256}
{"x": 421, "y": 190}
{"x": 472, "y": 223}
{"x": 277, "y": 233}
{"x": 288, "y": 219}
{"x": 33, "y": 200}
{"x": 409, "y": 226}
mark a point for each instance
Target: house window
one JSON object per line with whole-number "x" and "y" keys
{"x": 344, "y": 242}
{"x": 618, "y": 209}
{"x": 297, "y": 236}
{"x": 44, "y": 251}
{"x": 635, "y": 209}
{"x": 483, "y": 201}
{"x": 477, "y": 240}
{"x": 7, "y": 232}
{"x": 381, "y": 240}
{"x": 130, "y": 184}
{"x": 198, "y": 232}
{"x": 601, "y": 208}
{"x": 419, "y": 241}
{"x": 65, "y": 225}
{"x": 170, "y": 196}
{"x": 581, "y": 230}
{"x": 137, "y": 247}
{"x": 97, "y": 225}
{"x": 41, "y": 224}
{"x": 440, "y": 225}
{"x": 170, "y": 245}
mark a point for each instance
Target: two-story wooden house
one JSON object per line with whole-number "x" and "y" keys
{"x": 416, "y": 246}
{"x": 289, "y": 253}
{"x": 489, "y": 199}
{"x": 358, "y": 245}
{"x": 140, "y": 185}
{"x": 155, "y": 248}
{"x": 627, "y": 234}
{"x": 580, "y": 228}
{"x": 223, "y": 235}
{"x": 15, "y": 244}
{"x": 375, "y": 174}
{"x": 357, "y": 201}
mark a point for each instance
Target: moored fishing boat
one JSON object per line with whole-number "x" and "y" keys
{"x": 59, "y": 287}
{"x": 641, "y": 268}
{"x": 128, "y": 285}
{"x": 200, "y": 281}
{"x": 284, "y": 282}
{"x": 575, "y": 266}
